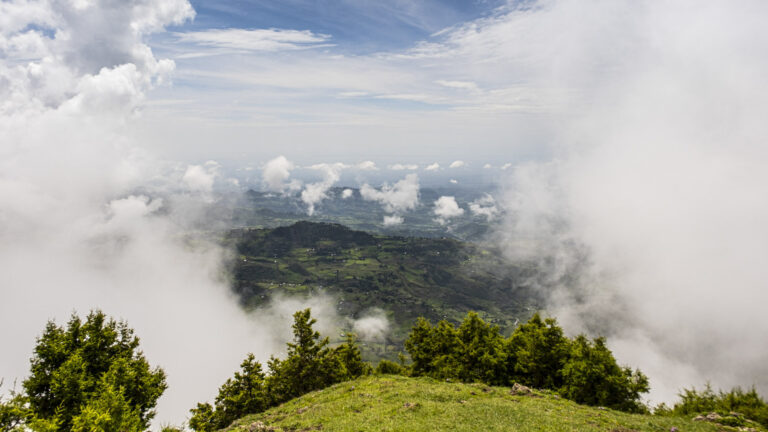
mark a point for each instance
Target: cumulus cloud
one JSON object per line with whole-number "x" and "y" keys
{"x": 506, "y": 166}
{"x": 398, "y": 198}
{"x": 446, "y": 208}
{"x": 200, "y": 178}
{"x": 484, "y": 206}
{"x": 456, "y": 164}
{"x": 453, "y": 181}
{"x": 276, "y": 174}
{"x": 649, "y": 222}
{"x": 314, "y": 193}
{"x": 392, "y": 220}
{"x": 487, "y": 166}
{"x": 403, "y": 167}
{"x": 432, "y": 167}
{"x": 347, "y": 193}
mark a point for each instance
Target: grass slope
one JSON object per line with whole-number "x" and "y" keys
{"x": 394, "y": 403}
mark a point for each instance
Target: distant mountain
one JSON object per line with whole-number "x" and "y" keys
{"x": 408, "y": 277}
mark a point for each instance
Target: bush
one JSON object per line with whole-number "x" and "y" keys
{"x": 388, "y": 367}
{"x": 693, "y": 402}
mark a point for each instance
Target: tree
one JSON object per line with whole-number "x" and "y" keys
{"x": 591, "y": 376}
{"x": 88, "y": 375}
{"x": 537, "y": 351}
{"x": 243, "y": 394}
{"x": 482, "y": 356}
{"x": 310, "y": 365}
{"x": 434, "y": 350}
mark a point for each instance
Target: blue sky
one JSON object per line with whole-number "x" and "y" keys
{"x": 324, "y": 81}
{"x": 355, "y": 25}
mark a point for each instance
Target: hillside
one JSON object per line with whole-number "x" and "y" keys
{"x": 407, "y": 277}
{"x": 394, "y": 403}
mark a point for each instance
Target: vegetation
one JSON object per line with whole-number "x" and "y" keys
{"x": 89, "y": 376}
{"x": 439, "y": 279}
{"x": 396, "y": 403}
{"x": 309, "y": 365}
{"x": 537, "y": 354}
{"x": 735, "y": 407}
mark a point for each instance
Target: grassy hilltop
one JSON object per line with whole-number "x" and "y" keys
{"x": 394, "y": 403}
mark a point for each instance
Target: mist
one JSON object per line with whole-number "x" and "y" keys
{"x": 90, "y": 219}
{"x": 649, "y": 223}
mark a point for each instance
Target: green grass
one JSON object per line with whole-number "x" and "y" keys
{"x": 394, "y": 403}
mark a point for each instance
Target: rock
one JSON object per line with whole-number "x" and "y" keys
{"x": 713, "y": 417}
{"x": 699, "y": 418}
{"x": 520, "y": 390}
{"x": 410, "y": 405}
{"x": 260, "y": 427}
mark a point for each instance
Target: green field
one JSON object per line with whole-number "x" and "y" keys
{"x": 394, "y": 403}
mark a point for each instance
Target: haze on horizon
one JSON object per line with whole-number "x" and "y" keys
{"x": 626, "y": 140}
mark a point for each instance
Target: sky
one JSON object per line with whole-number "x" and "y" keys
{"x": 627, "y": 139}
{"x": 392, "y": 81}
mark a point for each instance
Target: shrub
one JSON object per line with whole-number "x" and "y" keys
{"x": 388, "y": 367}
{"x": 748, "y": 404}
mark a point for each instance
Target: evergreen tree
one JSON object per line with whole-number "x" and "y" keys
{"x": 481, "y": 354}
{"x": 91, "y": 370}
{"x": 537, "y": 351}
{"x": 591, "y": 376}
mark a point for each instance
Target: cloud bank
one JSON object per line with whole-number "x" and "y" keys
{"x": 650, "y": 220}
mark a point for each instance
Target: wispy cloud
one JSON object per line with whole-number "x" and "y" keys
{"x": 255, "y": 39}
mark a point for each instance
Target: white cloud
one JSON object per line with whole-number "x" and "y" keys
{"x": 398, "y": 198}
{"x": 392, "y": 220}
{"x": 314, "y": 193}
{"x": 256, "y": 39}
{"x": 433, "y": 167}
{"x": 347, "y": 193}
{"x": 650, "y": 220}
{"x": 456, "y": 164}
{"x": 446, "y": 208}
{"x": 506, "y": 166}
{"x": 487, "y": 166}
{"x": 453, "y": 181}
{"x": 75, "y": 234}
{"x": 403, "y": 167}
{"x": 484, "y": 206}
{"x": 200, "y": 178}
{"x": 366, "y": 166}
{"x": 276, "y": 174}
